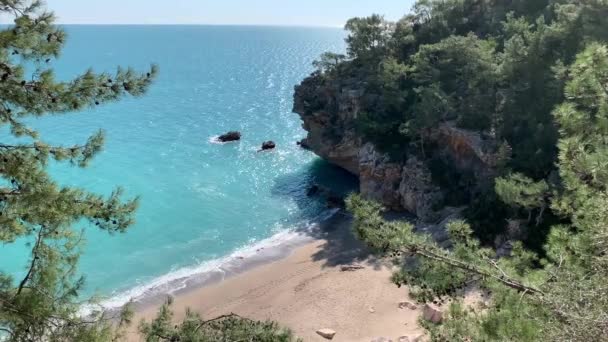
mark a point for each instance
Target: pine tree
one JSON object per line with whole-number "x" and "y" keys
{"x": 43, "y": 303}
{"x": 193, "y": 328}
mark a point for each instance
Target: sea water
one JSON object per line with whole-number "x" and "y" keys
{"x": 200, "y": 201}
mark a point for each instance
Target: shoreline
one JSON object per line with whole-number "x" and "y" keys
{"x": 305, "y": 287}
{"x": 266, "y": 251}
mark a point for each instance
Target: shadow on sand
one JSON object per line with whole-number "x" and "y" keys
{"x": 340, "y": 246}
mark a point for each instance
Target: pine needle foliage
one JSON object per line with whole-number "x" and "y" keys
{"x": 193, "y": 328}
{"x": 44, "y": 304}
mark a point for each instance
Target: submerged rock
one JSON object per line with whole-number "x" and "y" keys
{"x": 230, "y": 136}
{"x": 313, "y": 190}
{"x": 334, "y": 201}
{"x": 303, "y": 144}
{"x": 268, "y": 145}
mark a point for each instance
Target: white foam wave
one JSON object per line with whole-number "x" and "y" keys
{"x": 178, "y": 279}
{"x": 216, "y": 140}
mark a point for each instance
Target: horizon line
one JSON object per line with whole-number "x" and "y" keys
{"x": 202, "y": 24}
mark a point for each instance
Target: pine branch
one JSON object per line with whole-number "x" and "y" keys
{"x": 219, "y": 318}
{"x": 424, "y": 252}
{"x": 33, "y": 263}
{"x": 6, "y": 330}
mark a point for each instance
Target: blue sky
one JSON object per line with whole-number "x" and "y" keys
{"x": 247, "y": 12}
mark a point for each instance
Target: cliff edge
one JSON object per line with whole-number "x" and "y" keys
{"x": 329, "y": 109}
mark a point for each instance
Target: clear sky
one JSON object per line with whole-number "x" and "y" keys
{"x": 244, "y": 12}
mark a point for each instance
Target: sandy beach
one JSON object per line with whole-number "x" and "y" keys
{"x": 311, "y": 289}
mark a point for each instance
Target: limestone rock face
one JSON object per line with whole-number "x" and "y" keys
{"x": 329, "y": 110}
{"x": 399, "y": 186}
{"x": 417, "y": 192}
{"x": 379, "y": 178}
{"x": 467, "y": 150}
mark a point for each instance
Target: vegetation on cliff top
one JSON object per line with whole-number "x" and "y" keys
{"x": 533, "y": 77}
{"x": 495, "y": 68}
{"x": 492, "y": 66}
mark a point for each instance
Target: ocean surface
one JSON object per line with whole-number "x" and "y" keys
{"x": 201, "y": 202}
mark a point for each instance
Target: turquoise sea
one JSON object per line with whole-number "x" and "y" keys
{"x": 200, "y": 201}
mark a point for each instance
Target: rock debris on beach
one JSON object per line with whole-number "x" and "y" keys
{"x": 350, "y": 268}
{"x": 326, "y": 333}
{"x": 408, "y": 305}
{"x": 381, "y": 339}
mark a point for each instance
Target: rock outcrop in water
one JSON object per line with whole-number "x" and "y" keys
{"x": 230, "y": 136}
{"x": 329, "y": 110}
{"x": 268, "y": 145}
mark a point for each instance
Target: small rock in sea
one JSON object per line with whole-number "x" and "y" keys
{"x": 303, "y": 144}
{"x": 230, "y": 136}
{"x": 408, "y": 305}
{"x": 268, "y": 145}
{"x": 432, "y": 313}
{"x": 313, "y": 190}
{"x": 326, "y": 333}
{"x": 335, "y": 202}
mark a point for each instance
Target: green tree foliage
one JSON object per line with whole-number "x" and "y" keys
{"x": 492, "y": 66}
{"x": 223, "y": 328}
{"x": 368, "y": 36}
{"x": 521, "y": 191}
{"x": 43, "y": 303}
{"x": 328, "y": 62}
{"x": 560, "y": 296}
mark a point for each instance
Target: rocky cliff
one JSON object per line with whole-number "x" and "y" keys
{"x": 329, "y": 111}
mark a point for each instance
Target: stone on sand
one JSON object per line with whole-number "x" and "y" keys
{"x": 408, "y": 305}
{"x": 327, "y": 333}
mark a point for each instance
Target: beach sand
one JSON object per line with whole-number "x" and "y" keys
{"x": 310, "y": 290}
